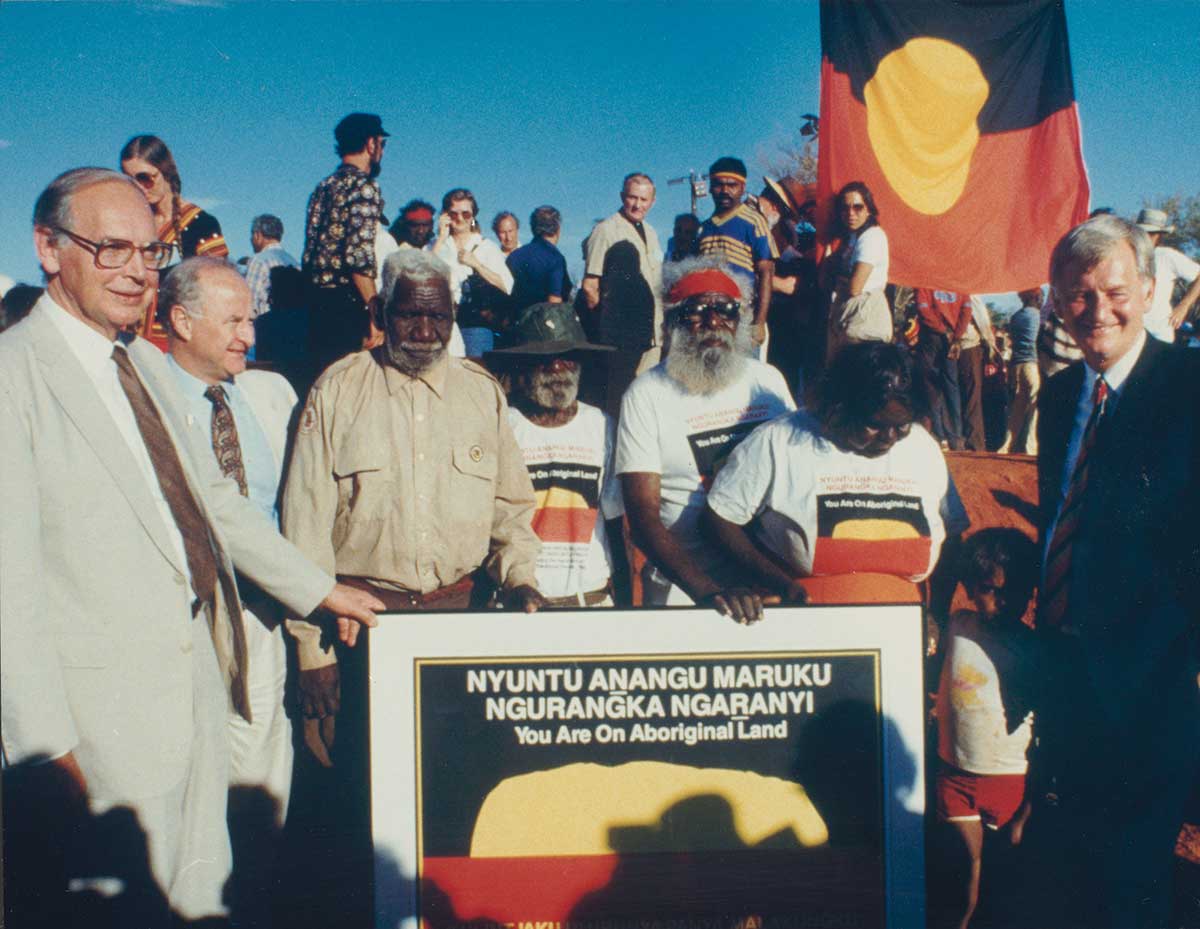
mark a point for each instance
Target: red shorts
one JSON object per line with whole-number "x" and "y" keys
{"x": 992, "y": 798}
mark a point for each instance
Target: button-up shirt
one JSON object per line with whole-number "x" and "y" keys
{"x": 617, "y": 228}
{"x": 339, "y": 236}
{"x": 258, "y": 275}
{"x": 262, "y": 473}
{"x": 410, "y": 482}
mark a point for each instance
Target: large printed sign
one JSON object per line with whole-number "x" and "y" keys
{"x": 665, "y": 769}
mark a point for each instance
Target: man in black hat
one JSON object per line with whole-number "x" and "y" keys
{"x": 339, "y": 244}
{"x": 568, "y": 449}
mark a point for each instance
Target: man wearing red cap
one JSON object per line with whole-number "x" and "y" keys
{"x": 680, "y": 420}
{"x": 739, "y": 235}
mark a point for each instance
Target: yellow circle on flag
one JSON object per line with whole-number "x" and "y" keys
{"x": 922, "y": 106}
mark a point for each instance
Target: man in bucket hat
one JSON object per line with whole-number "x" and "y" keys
{"x": 568, "y": 449}
{"x": 1170, "y": 266}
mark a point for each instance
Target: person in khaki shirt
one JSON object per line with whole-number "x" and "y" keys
{"x": 621, "y": 303}
{"x": 405, "y": 477}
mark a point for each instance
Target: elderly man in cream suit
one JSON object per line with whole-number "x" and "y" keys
{"x": 121, "y": 638}
{"x": 240, "y": 418}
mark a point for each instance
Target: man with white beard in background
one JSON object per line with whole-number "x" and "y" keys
{"x": 680, "y": 421}
{"x": 568, "y": 448}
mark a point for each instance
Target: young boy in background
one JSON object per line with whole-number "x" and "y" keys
{"x": 991, "y": 666}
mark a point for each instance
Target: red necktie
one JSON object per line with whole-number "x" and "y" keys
{"x": 1058, "y": 555}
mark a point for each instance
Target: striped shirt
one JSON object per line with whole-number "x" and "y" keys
{"x": 742, "y": 239}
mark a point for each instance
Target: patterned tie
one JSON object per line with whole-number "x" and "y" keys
{"x": 225, "y": 438}
{"x": 1058, "y": 556}
{"x": 197, "y": 546}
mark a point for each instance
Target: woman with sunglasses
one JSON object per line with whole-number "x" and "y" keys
{"x": 859, "y": 310}
{"x": 848, "y": 503}
{"x": 479, "y": 277}
{"x": 183, "y": 225}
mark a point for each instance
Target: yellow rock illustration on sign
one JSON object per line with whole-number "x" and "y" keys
{"x": 922, "y": 106}
{"x": 571, "y": 810}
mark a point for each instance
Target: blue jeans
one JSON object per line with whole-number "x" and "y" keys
{"x": 478, "y": 339}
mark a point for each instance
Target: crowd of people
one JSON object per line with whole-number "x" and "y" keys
{"x": 199, "y": 454}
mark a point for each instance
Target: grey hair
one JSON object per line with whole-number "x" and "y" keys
{"x": 268, "y": 226}
{"x": 183, "y": 287}
{"x": 1092, "y": 241}
{"x": 674, "y": 271}
{"x": 53, "y": 207}
{"x": 413, "y": 265}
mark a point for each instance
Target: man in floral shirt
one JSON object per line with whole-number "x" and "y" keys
{"x": 339, "y": 245}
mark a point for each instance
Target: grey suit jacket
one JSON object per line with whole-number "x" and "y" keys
{"x": 95, "y": 633}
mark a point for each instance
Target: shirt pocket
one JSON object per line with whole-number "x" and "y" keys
{"x": 364, "y": 484}
{"x": 473, "y": 481}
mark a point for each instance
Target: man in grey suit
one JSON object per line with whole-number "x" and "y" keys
{"x": 121, "y": 636}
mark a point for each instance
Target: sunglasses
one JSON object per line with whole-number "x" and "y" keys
{"x": 461, "y": 214}
{"x": 854, "y": 207}
{"x": 147, "y": 179}
{"x": 695, "y": 312}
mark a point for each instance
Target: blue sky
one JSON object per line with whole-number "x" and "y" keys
{"x": 525, "y": 103}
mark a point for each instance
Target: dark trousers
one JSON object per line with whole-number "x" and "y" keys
{"x": 1104, "y": 855}
{"x": 338, "y": 322}
{"x": 970, "y": 389}
{"x": 939, "y": 374}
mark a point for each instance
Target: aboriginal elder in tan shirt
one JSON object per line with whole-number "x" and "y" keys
{"x": 405, "y": 477}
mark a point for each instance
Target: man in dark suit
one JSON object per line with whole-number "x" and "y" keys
{"x": 1119, "y": 442}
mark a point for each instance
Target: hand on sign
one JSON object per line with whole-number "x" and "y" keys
{"x": 525, "y": 598}
{"x": 353, "y": 608}
{"x": 743, "y": 605}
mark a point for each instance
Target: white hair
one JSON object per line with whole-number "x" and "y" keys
{"x": 414, "y": 265}
{"x": 675, "y": 271}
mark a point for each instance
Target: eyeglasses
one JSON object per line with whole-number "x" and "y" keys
{"x": 461, "y": 214}
{"x": 147, "y": 179}
{"x": 854, "y": 207}
{"x": 115, "y": 253}
{"x": 695, "y": 312}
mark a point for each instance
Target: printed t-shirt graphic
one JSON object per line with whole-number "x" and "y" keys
{"x": 685, "y": 438}
{"x": 961, "y": 119}
{"x": 825, "y": 511}
{"x": 571, "y": 470}
{"x": 871, "y": 529}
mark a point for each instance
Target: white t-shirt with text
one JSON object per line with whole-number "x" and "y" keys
{"x": 685, "y": 438}
{"x": 571, "y": 470}
{"x": 824, "y": 511}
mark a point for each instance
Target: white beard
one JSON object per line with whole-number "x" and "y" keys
{"x": 707, "y": 370}
{"x": 553, "y": 391}
{"x": 410, "y": 362}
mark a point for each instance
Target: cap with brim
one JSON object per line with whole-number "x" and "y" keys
{"x": 1154, "y": 221}
{"x": 356, "y": 128}
{"x": 781, "y": 194}
{"x": 549, "y": 329}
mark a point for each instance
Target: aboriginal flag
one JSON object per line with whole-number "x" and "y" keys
{"x": 960, "y": 116}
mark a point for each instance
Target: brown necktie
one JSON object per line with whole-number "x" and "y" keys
{"x": 1058, "y": 555}
{"x": 197, "y": 547}
{"x": 225, "y": 438}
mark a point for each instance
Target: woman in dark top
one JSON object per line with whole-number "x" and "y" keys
{"x": 192, "y": 231}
